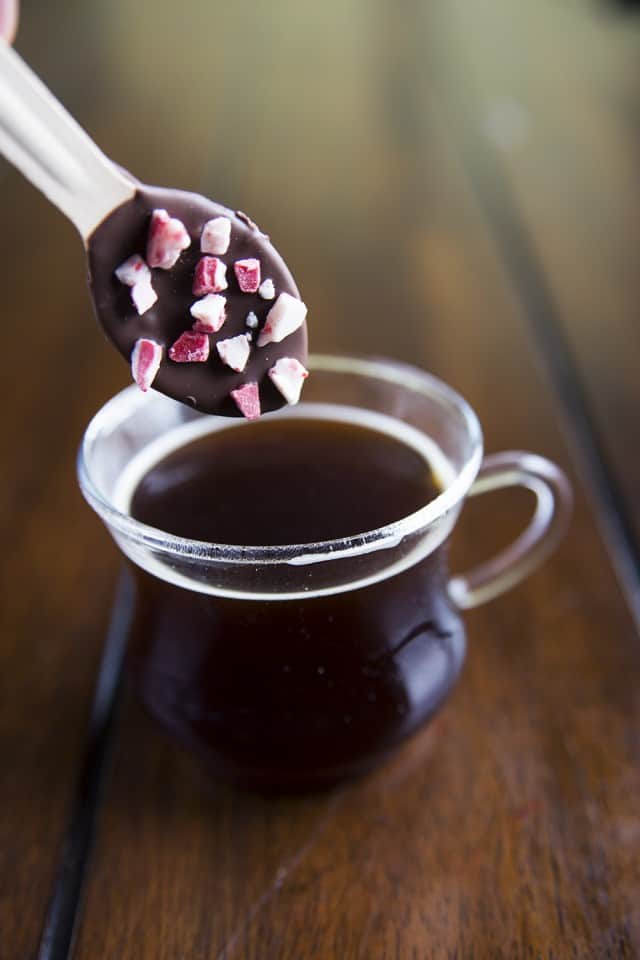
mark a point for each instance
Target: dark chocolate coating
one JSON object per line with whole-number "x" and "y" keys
{"x": 204, "y": 385}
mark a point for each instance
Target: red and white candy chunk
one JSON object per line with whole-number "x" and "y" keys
{"x": 135, "y": 273}
{"x": 267, "y": 289}
{"x": 247, "y": 398}
{"x": 286, "y": 315}
{"x": 248, "y": 274}
{"x": 143, "y": 296}
{"x": 288, "y": 375}
{"x": 190, "y": 348}
{"x": 216, "y": 235}
{"x": 132, "y": 271}
{"x": 234, "y": 352}
{"x": 145, "y": 362}
{"x": 167, "y": 239}
{"x": 209, "y": 313}
{"x": 210, "y": 276}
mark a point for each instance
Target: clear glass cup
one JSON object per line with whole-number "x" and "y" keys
{"x": 294, "y": 666}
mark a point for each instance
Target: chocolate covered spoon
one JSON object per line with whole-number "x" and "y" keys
{"x": 193, "y": 295}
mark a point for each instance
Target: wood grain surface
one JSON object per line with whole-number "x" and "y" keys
{"x": 555, "y": 110}
{"x": 57, "y": 570}
{"x": 510, "y": 827}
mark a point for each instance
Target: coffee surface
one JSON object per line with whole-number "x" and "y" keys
{"x": 284, "y": 481}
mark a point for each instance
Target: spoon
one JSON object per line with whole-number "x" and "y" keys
{"x": 191, "y": 293}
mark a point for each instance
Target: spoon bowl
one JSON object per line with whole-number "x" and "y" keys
{"x": 250, "y": 357}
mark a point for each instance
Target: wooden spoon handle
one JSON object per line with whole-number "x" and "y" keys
{"x": 45, "y": 143}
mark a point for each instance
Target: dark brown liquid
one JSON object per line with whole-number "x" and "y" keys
{"x": 294, "y": 692}
{"x": 288, "y": 481}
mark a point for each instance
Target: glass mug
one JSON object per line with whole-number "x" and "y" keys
{"x": 295, "y": 666}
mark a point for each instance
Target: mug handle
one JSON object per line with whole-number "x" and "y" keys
{"x": 549, "y": 522}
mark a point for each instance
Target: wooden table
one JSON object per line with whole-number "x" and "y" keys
{"x": 485, "y": 156}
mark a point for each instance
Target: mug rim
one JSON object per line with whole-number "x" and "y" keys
{"x": 387, "y": 536}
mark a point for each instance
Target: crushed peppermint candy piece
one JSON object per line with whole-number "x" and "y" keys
{"x": 143, "y": 296}
{"x": 286, "y": 315}
{"x": 167, "y": 239}
{"x": 248, "y": 274}
{"x": 234, "y": 352}
{"x": 247, "y": 398}
{"x": 133, "y": 270}
{"x": 210, "y": 276}
{"x": 188, "y": 325}
{"x": 145, "y": 362}
{"x": 209, "y": 313}
{"x": 135, "y": 273}
{"x": 267, "y": 289}
{"x": 288, "y": 375}
{"x": 190, "y": 348}
{"x": 216, "y": 235}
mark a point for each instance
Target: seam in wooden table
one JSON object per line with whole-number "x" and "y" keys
{"x": 489, "y": 184}
{"x": 64, "y": 908}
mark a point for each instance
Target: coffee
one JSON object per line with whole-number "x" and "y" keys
{"x": 292, "y": 692}
{"x": 284, "y": 481}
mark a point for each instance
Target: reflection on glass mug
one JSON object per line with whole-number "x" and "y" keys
{"x": 295, "y": 618}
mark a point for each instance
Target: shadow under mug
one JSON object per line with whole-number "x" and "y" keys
{"x": 295, "y": 666}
